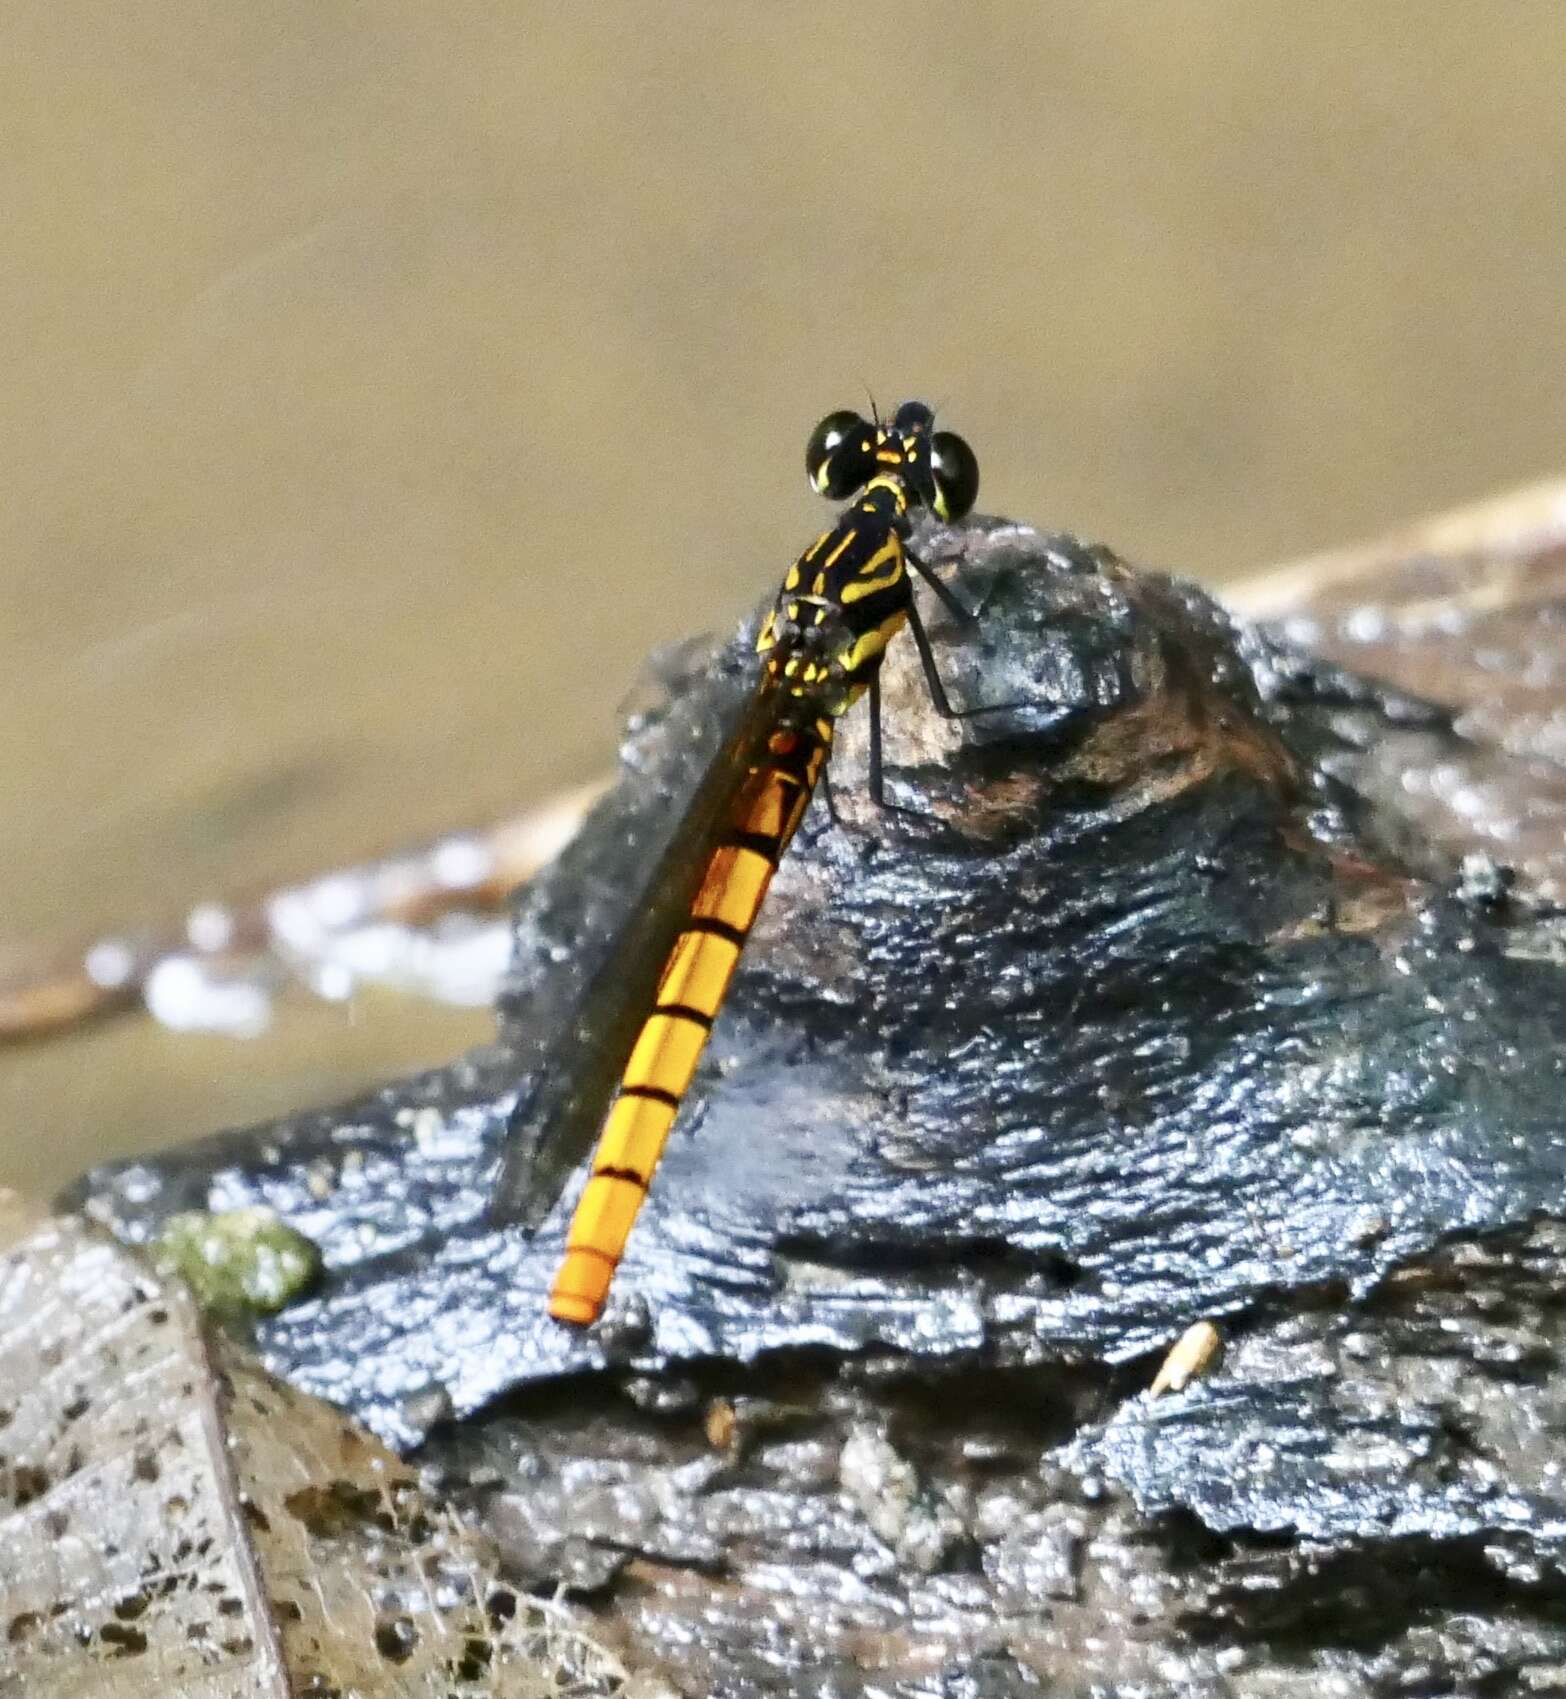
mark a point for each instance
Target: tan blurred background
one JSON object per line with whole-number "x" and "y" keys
{"x": 383, "y": 381}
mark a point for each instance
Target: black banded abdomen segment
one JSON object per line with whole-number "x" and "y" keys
{"x": 669, "y": 1045}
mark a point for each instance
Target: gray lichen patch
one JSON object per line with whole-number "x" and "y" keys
{"x": 919, "y": 1524}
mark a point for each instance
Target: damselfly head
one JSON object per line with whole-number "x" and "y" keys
{"x": 936, "y": 468}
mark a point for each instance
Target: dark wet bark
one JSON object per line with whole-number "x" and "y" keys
{"x": 1154, "y": 1008}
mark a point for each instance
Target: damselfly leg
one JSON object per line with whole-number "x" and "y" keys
{"x": 842, "y": 601}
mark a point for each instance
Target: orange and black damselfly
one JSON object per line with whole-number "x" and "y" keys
{"x": 647, "y": 1017}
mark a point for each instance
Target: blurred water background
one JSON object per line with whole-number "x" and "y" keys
{"x": 383, "y": 382}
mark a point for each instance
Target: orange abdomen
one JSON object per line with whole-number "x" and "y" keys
{"x": 695, "y": 980}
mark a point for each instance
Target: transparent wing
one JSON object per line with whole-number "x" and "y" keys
{"x": 555, "y": 1126}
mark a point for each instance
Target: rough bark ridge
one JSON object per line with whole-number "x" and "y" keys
{"x": 1142, "y": 1014}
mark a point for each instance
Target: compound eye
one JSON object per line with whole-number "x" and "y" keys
{"x": 840, "y": 455}
{"x": 956, "y": 474}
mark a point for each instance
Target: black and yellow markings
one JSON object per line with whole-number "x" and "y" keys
{"x": 845, "y": 543}
{"x": 871, "y": 644}
{"x": 881, "y": 572}
{"x": 821, "y": 648}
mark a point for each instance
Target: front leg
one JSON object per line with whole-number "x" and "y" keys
{"x": 932, "y": 675}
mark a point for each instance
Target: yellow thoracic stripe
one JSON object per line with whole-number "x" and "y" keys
{"x": 837, "y": 553}
{"x": 880, "y": 572}
{"x": 873, "y": 642}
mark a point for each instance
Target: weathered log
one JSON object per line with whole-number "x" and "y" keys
{"x": 1161, "y": 1003}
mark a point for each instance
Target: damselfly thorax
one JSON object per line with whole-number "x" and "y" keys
{"x": 646, "y": 1019}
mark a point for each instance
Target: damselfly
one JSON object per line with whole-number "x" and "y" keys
{"x": 646, "y": 1019}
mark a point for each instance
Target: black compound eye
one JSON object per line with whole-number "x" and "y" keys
{"x": 956, "y": 474}
{"x": 840, "y": 455}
